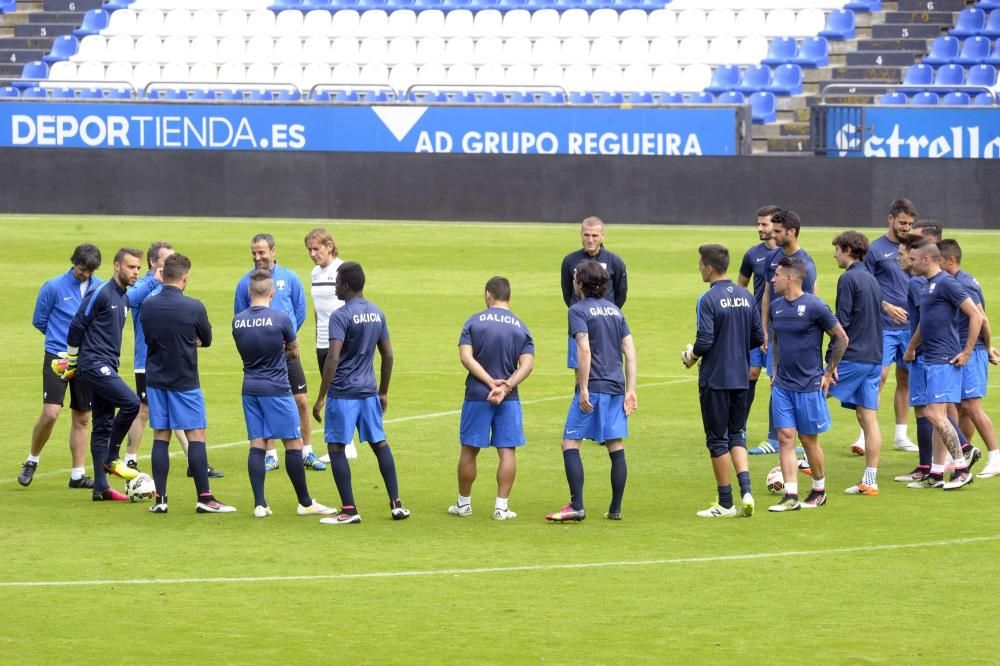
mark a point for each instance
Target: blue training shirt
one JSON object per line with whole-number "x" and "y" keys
{"x": 728, "y": 328}
{"x": 859, "y": 308}
{"x": 882, "y": 261}
{"x": 755, "y": 265}
{"x": 57, "y": 302}
{"x": 798, "y": 328}
{"x": 97, "y": 326}
{"x": 288, "y": 294}
{"x": 360, "y": 325}
{"x": 605, "y": 327}
{"x": 261, "y": 333}
{"x": 914, "y": 290}
{"x": 777, "y": 254}
{"x": 498, "y": 338}
{"x": 171, "y": 323}
{"x": 140, "y": 350}
{"x": 971, "y": 285}
{"x": 938, "y": 325}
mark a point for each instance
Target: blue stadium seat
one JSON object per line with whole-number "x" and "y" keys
{"x": 398, "y": 4}
{"x": 91, "y": 93}
{"x": 229, "y": 95}
{"x": 420, "y": 5}
{"x": 9, "y": 91}
{"x": 763, "y": 107}
{"x": 918, "y": 76}
{"x": 552, "y": 98}
{"x": 589, "y": 5}
{"x": 343, "y": 4}
{"x": 345, "y": 96}
{"x": 454, "y": 4}
{"x": 731, "y": 97}
{"x": 755, "y": 78}
{"x": 63, "y": 47}
{"x": 970, "y": 21}
{"x": 839, "y": 25}
{"x": 173, "y": 94}
{"x": 563, "y": 5}
{"x": 992, "y": 28}
{"x": 463, "y": 97}
{"x": 780, "y": 51}
{"x": 987, "y": 5}
{"x": 864, "y": 5}
{"x": 315, "y": 4}
{"x": 522, "y": 98}
{"x": 893, "y": 97}
{"x": 581, "y": 98}
{"x": 483, "y": 4}
{"x": 260, "y": 95}
{"x": 974, "y": 51}
{"x": 34, "y": 92}
{"x": 7, "y": 6}
{"x": 786, "y": 80}
{"x": 282, "y": 5}
{"x": 981, "y": 75}
{"x": 944, "y": 50}
{"x": 535, "y": 5}
{"x": 925, "y": 98}
{"x": 672, "y": 98}
{"x": 983, "y": 99}
{"x": 320, "y": 96}
{"x": 610, "y": 98}
{"x": 492, "y": 97}
{"x": 112, "y": 5}
{"x": 725, "y": 77}
{"x": 994, "y": 57}
{"x": 288, "y": 96}
{"x": 205, "y": 95}
{"x": 435, "y": 97}
{"x": 36, "y": 69}
{"x": 956, "y": 98}
{"x": 93, "y": 22}
{"x": 949, "y": 75}
{"x": 119, "y": 93}
{"x": 813, "y": 52}
{"x": 375, "y": 97}
{"x": 639, "y": 98}
{"x": 700, "y": 98}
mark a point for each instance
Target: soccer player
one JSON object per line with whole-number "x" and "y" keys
{"x": 174, "y": 327}
{"x": 728, "y": 328}
{"x": 499, "y": 353}
{"x": 605, "y": 396}
{"x": 290, "y": 297}
{"x": 57, "y": 302}
{"x": 800, "y": 382}
{"x": 857, "y": 377}
{"x": 944, "y": 356}
{"x": 354, "y": 401}
{"x": 263, "y": 336}
{"x": 881, "y": 260}
{"x": 93, "y": 352}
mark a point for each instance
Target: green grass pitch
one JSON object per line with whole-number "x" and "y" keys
{"x": 907, "y": 576}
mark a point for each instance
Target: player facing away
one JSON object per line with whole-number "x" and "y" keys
{"x": 800, "y": 382}
{"x": 354, "y": 401}
{"x": 728, "y": 328}
{"x": 496, "y": 348}
{"x": 605, "y": 396}
{"x": 263, "y": 336}
{"x": 857, "y": 377}
{"x": 57, "y": 302}
{"x": 290, "y": 297}
{"x": 944, "y": 356}
{"x": 174, "y": 327}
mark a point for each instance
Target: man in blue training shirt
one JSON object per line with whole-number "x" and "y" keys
{"x": 857, "y": 377}
{"x": 263, "y": 336}
{"x": 57, "y": 302}
{"x": 93, "y": 352}
{"x": 356, "y": 330}
{"x": 605, "y": 396}
{"x": 728, "y": 328}
{"x": 174, "y": 327}
{"x": 497, "y": 350}
{"x": 800, "y": 383}
{"x": 290, "y": 297}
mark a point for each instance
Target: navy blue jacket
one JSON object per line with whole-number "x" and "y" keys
{"x": 728, "y": 328}
{"x": 859, "y": 311}
{"x": 171, "y": 321}
{"x": 97, "y": 326}
{"x": 617, "y": 290}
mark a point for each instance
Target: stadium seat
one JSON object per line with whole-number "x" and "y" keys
{"x": 632, "y": 98}
{"x": 434, "y": 97}
{"x": 981, "y": 75}
{"x": 992, "y": 27}
{"x": 172, "y": 94}
{"x": 671, "y": 98}
{"x": 893, "y": 98}
{"x": 755, "y": 79}
{"x": 810, "y": 21}
{"x": 944, "y": 50}
{"x": 813, "y": 52}
{"x": 492, "y": 97}
{"x": 91, "y": 93}
{"x": 925, "y": 99}
{"x": 994, "y": 57}
{"x": 260, "y": 95}
{"x": 34, "y": 92}
{"x": 581, "y": 98}
{"x": 9, "y": 91}
{"x": 949, "y": 75}
{"x": 694, "y": 77}
{"x": 229, "y": 95}
{"x": 610, "y": 98}
{"x": 956, "y": 98}
{"x": 839, "y": 25}
{"x": 121, "y": 22}
{"x": 463, "y": 97}
{"x": 378, "y": 96}
{"x": 731, "y": 97}
{"x": 864, "y": 5}
{"x": 522, "y": 97}
{"x": 763, "y": 107}
{"x": 699, "y": 98}
{"x": 751, "y": 50}
{"x": 971, "y": 21}
{"x": 781, "y": 50}
{"x": 93, "y": 22}
{"x": 786, "y": 80}
{"x": 552, "y": 98}
{"x": 63, "y": 48}
{"x": 725, "y": 77}
{"x": 987, "y": 5}
{"x": 975, "y": 50}
{"x": 119, "y": 93}
{"x": 918, "y": 75}
{"x": 8, "y": 6}
{"x": 983, "y": 99}
{"x": 204, "y": 95}
{"x": 36, "y": 69}
{"x": 64, "y": 70}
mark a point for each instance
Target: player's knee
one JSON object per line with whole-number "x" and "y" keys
{"x": 754, "y": 374}
{"x": 378, "y": 445}
{"x": 717, "y": 447}
{"x": 49, "y": 414}
{"x": 81, "y": 419}
{"x": 737, "y": 444}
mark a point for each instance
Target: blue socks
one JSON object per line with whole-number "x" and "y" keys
{"x": 297, "y": 474}
{"x": 198, "y": 462}
{"x": 744, "y": 479}
{"x": 725, "y": 496}
{"x": 341, "y": 476}
{"x": 925, "y": 431}
{"x": 619, "y": 474}
{"x": 387, "y": 468}
{"x": 574, "y": 476}
{"x": 257, "y": 472}
{"x": 161, "y": 466}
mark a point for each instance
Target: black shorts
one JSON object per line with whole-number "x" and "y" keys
{"x": 296, "y": 376}
{"x": 54, "y": 388}
{"x": 140, "y": 387}
{"x": 724, "y": 415}
{"x": 321, "y": 359}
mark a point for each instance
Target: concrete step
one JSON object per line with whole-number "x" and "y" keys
{"x": 931, "y": 5}
{"x": 24, "y": 43}
{"x": 907, "y": 30}
{"x": 44, "y": 29}
{"x": 801, "y": 115}
{"x": 938, "y": 18}
{"x": 56, "y": 17}
{"x": 798, "y": 144}
{"x": 873, "y": 74}
{"x": 900, "y": 44}
{"x": 14, "y": 56}
{"x": 882, "y": 58}
{"x": 8, "y": 71}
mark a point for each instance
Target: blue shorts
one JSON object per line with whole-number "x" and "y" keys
{"x": 918, "y": 383}
{"x": 857, "y": 384}
{"x": 894, "y": 344}
{"x": 343, "y": 415}
{"x": 571, "y": 353}
{"x": 484, "y": 424}
{"x": 757, "y": 358}
{"x": 944, "y": 383}
{"x": 607, "y": 420}
{"x": 176, "y": 410}
{"x": 975, "y": 375}
{"x": 806, "y": 412}
{"x": 271, "y": 417}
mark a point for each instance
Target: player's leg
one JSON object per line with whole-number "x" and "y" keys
{"x": 466, "y": 477}
{"x": 901, "y": 407}
{"x": 321, "y": 355}
{"x": 506, "y": 473}
{"x": 102, "y": 418}
{"x": 78, "y": 430}
{"x": 868, "y": 420}
{"x": 297, "y": 380}
{"x": 579, "y": 424}
{"x": 507, "y": 434}
{"x": 370, "y": 430}
{"x": 473, "y": 434}
{"x": 739, "y": 408}
{"x": 817, "y": 464}
{"x": 140, "y": 424}
{"x": 812, "y": 419}
{"x": 340, "y": 420}
{"x": 256, "y": 472}
{"x": 124, "y": 398}
{"x": 715, "y": 419}
{"x": 282, "y": 422}
{"x": 160, "y": 464}
{"x": 53, "y": 396}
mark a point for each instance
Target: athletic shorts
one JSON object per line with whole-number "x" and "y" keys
{"x": 724, "y": 415}
{"x": 296, "y": 375}
{"x": 271, "y": 417}
{"x": 321, "y": 359}
{"x": 571, "y": 353}
{"x": 918, "y": 383}
{"x": 344, "y": 415}
{"x": 894, "y": 344}
{"x": 769, "y": 360}
{"x": 54, "y": 388}
{"x": 484, "y": 424}
{"x": 176, "y": 410}
{"x": 857, "y": 384}
{"x": 975, "y": 374}
{"x": 757, "y": 358}
{"x": 607, "y": 421}
{"x": 140, "y": 387}
{"x": 806, "y": 412}
{"x": 944, "y": 383}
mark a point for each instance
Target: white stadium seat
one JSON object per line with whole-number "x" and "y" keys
{"x": 288, "y": 72}
{"x": 544, "y": 22}
{"x": 546, "y": 50}
{"x": 149, "y": 22}
{"x": 316, "y": 50}
{"x": 432, "y": 74}
{"x": 486, "y": 23}
{"x": 373, "y": 49}
{"x": 696, "y": 77}
{"x": 175, "y": 72}
{"x": 148, "y": 48}
{"x": 231, "y": 49}
{"x": 660, "y": 23}
{"x": 458, "y": 23}
{"x": 606, "y": 78}
{"x": 316, "y": 23}
{"x": 232, "y": 72}
{"x": 203, "y": 72}
{"x": 490, "y": 74}
{"x": 516, "y": 50}
{"x": 462, "y": 74}
{"x": 346, "y": 22}
{"x": 344, "y": 49}
{"x": 431, "y": 50}
{"x": 122, "y": 22}
{"x": 67, "y": 71}
{"x": 573, "y": 22}
{"x": 118, "y": 71}
{"x": 458, "y": 50}
{"x": 548, "y": 74}
{"x": 205, "y": 22}
{"x": 145, "y": 73}
{"x": 632, "y": 22}
{"x": 345, "y": 73}
{"x": 430, "y": 23}
{"x": 575, "y": 50}
{"x": 315, "y": 73}
{"x": 233, "y": 22}
{"x": 633, "y": 49}
{"x": 637, "y": 76}
{"x": 488, "y": 50}
{"x": 177, "y": 22}
{"x": 260, "y": 22}
{"x": 374, "y": 73}
{"x": 260, "y": 72}
{"x": 402, "y": 23}
{"x": 516, "y": 23}
{"x": 260, "y": 48}
{"x": 519, "y": 75}
{"x": 372, "y": 24}
{"x": 203, "y": 49}
{"x": 92, "y": 47}
{"x": 402, "y": 49}
{"x": 578, "y": 77}
{"x": 603, "y": 23}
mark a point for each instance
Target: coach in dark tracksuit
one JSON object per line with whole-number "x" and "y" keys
{"x": 728, "y": 328}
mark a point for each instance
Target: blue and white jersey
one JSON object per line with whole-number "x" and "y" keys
{"x": 58, "y": 300}
{"x": 261, "y": 333}
{"x": 605, "y": 327}
{"x": 755, "y": 265}
{"x": 360, "y": 325}
{"x": 140, "y": 350}
{"x": 859, "y": 307}
{"x": 938, "y": 322}
{"x": 777, "y": 254}
{"x": 971, "y": 285}
{"x": 914, "y": 291}
{"x": 882, "y": 261}
{"x": 288, "y": 294}
{"x": 798, "y": 328}
{"x": 498, "y": 338}
{"x": 97, "y": 326}
{"x": 728, "y": 328}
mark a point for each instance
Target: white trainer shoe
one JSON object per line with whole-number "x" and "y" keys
{"x": 717, "y": 511}
{"x": 503, "y": 514}
{"x": 462, "y": 510}
{"x": 991, "y": 470}
{"x": 261, "y": 511}
{"x": 316, "y": 509}
{"x": 905, "y": 445}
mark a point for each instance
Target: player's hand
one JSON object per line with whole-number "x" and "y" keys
{"x": 824, "y": 384}
{"x": 631, "y": 402}
{"x": 835, "y": 377}
{"x": 197, "y": 341}
{"x": 498, "y": 393}
{"x": 64, "y": 366}
{"x": 909, "y": 355}
{"x": 383, "y": 401}
{"x": 585, "y": 405}
{"x": 960, "y": 359}
{"x": 687, "y": 356}
{"x": 896, "y": 314}
{"x": 158, "y": 274}
{"x": 318, "y": 409}
{"x": 763, "y": 347}
{"x": 994, "y": 356}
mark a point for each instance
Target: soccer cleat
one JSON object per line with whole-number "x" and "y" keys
{"x": 399, "y": 512}
{"x": 613, "y": 515}
{"x": 917, "y": 474}
{"x": 717, "y": 511}
{"x": 312, "y": 462}
{"x": 159, "y": 504}
{"x": 787, "y": 503}
{"x": 27, "y": 473}
{"x": 565, "y": 514}
{"x": 991, "y": 470}
{"x": 958, "y": 479}
{"x": 503, "y": 514}
{"x": 815, "y": 499}
{"x": 325, "y": 458}
{"x": 862, "y": 489}
{"x": 271, "y": 463}
{"x": 929, "y": 481}
{"x": 748, "y": 505}
{"x": 343, "y": 518}
{"x": 973, "y": 457}
{"x": 461, "y": 510}
{"x": 262, "y": 511}
{"x": 209, "y": 504}
{"x": 765, "y": 447}
{"x": 109, "y": 495}
{"x": 133, "y": 464}
{"x": 83, "y": 482}
{"x": 315, "y": 509}
{"x": 212, "y": 473}
{"x": 804, "y": 468}
{"x": 120, "y": 469}
{"x": 904, "y": 444}
{"x": 858, "y": 448}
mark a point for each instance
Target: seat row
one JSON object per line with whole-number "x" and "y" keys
{"x": 920, "y": 75}
{"x": 974, "y": 50}
{"x": 783, "y": 80}
{"x": 975, "y": 21}
{"x": 305, "y": 5}
{"x": 929, "y": 98}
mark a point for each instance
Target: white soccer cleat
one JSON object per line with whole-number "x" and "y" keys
{"x": 905, "y": 444}
{"x": 325, "y": 458}
{"x": 316, "y": 509}
{"x": 502, "y": 514}
{"x": 262, "y": 511}
{"x": 351, "y": 451}
{"x": 718, "y": 511}
{"x": 991, "y": 470}
{"x": 858, "y": 447}
{"x": 748, "y": 505}
{"x": 461, "y": 510}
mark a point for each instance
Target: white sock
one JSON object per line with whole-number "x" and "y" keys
{"x": 819, "y": 485}
{"x": 901, "y": 432}
{"x": 464, "y": 501}
{"x": 307, "y": 450}
{"x": 993, "y": 457}
{"x": 131, "y": 456}
{"x": 273, "y": 453}
{"x": 76, "y": 473}
{"x": 35, "y": 459}
{"x": 871, "y": 477}
{"x": 501, "y": 503}
{"x": 792, "y": 488}
{"x": 861, "y": 438}
{"x": 937, "y": 469}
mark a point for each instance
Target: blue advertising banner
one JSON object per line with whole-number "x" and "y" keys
{"x": 893, "y": 131}
{"x": 403, "y": 128}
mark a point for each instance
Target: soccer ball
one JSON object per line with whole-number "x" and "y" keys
{"x": 775, "y": 481}
{"x": 140, "y": 488}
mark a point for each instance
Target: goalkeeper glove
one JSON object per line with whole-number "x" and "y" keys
{"x": 65, "y": 366}
{"x": 687, "y": 356}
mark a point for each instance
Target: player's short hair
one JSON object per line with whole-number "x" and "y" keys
{"x": 120, "y": 254}
{"x": 767, "y": 211}
{"x": 260, "y": 282}
{"x": 907, "y": 240}
{"x": 268, "y": 238}
{"x": 716, "y": 256}
{"x": 929, "y": 229}
{"x": 153, "y": 253}
{"x": 950, "y": 248}
{"x": 323, "y": 237}
{"x": 352, "y": 275}
{"x": 175, "y": 267}
{"x": 86, "y": 255}
{"x": 853, "y": 243}
{"x": 499, "y": 288}
{"x": 794, "y": 267}
{"x": 905, "y": 206}
{"x": 592, "y": 221}
{"x": 926, "y": 246}
{"x": 592, "y": 277}
{"x": 789, "y": 219}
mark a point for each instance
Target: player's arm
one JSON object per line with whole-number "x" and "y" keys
{"x": 241, "y": 300}
{"x": 845, "y": 302}
{"x": 385, "y": 352}
{"x": 583, "y": 369}
{"x": 970, "y": 310}
{"x": 911, "y": 349}
{"x": 756, "y": 330}
{"x": 203, "y": 327}
{"x": 631, "y": 372}
{"x": 838, "y": 345}
{"x": 298, "y": 303}
{"x": 621, "y": 284}
{"x": 504, "y": 387}
{"x": 765, "y": 317}
{"x": 566, "y": 278}
{"x": 705, "y": 337}
{"x": 292, "y": 349}
{"x": 43, "y": 307}
{"x": 474, "y": 367}
{"x": 743, "y": 280}
{"x": 329, "y": 370}
{"x": 140, "y": 291}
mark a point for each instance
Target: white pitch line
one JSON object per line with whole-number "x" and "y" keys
{"x": 514, "y": 569}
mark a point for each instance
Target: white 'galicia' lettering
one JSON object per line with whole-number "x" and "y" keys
{"x": 252, "y": 323}
{"x": 605, "y": 312}
{"x": 500, "y": 319}
{"x": 367, "y": 318}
